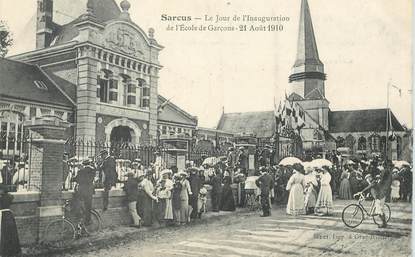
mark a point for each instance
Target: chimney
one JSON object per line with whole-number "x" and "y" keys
{"x": 44, "y": 26}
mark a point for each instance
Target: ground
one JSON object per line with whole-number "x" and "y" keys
{"x": 247, "y": 234}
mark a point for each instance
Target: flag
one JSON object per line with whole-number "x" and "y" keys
{"x": 160, "y": 108}
{"x": 288, "y": 108}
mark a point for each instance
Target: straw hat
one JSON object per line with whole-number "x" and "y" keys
{"x": 308, "y": 169}
{"x": 166, "y": 171}
{"x": 182, "y": 173}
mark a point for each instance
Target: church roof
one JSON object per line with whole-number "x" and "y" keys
{"x": 307, "y": 52}
{"x": 361, "y": 121}
{"x": 28, "y": 82}
{"x": 261, "y": 124}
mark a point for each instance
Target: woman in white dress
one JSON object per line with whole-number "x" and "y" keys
{"x": 295, "y": 205}
{"x": 325, "y": 197}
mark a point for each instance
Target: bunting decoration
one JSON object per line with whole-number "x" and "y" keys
{"x": 289, "y": 114}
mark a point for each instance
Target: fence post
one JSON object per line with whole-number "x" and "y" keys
{"x": 47, "y": 152}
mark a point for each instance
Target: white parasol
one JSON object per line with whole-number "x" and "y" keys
{"x": 401, "y": 164}
{"x": 319, "y": 163}
{"x": 212, "y": 161}
{"x": 289, "y": 161}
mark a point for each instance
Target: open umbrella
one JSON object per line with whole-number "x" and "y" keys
{"x": 212, "y": 161}
{"x": 401, "y": 164}
{"x": 319, "y": 163}
{"x": 289, "y": 161}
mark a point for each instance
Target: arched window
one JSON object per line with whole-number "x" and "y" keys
{"x": 361, "y": 143}
{"x": 340, "y": 142}
{"x": 399, "y": 147}
{"x": 374, "y": 143}
{"x": 350, "y": 142}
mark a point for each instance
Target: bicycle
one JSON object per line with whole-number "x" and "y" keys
{"x": 62, "y": 232}
{"x": 355, "y": 213}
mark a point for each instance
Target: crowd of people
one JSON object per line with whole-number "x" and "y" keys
{"x": 176, "y": 197}
{"x": 171, "y": 197}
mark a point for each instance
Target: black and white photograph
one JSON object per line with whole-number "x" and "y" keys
{"x": 153, "y": 128}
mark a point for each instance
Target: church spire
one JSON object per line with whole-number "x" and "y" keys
{"x": 307, "y": 53}
{"x": 308, "y": 70}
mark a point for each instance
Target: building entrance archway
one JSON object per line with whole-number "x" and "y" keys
{"x": 121, "y": 134}
{"x": 123, "y": 130}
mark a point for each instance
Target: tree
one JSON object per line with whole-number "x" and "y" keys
{"x": 6, "y": 39}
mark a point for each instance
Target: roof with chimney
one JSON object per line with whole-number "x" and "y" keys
{"x": 372, "y": 120}
{"x": 22, "y": 81}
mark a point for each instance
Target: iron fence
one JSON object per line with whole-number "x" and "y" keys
{"x": 16, "y": 163}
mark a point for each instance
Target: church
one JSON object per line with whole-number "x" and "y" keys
{"x": 357, "y": 132}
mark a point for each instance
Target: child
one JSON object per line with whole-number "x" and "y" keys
{"x": 395, "y": 187}
{"x": 201, "y": 201}
{"x": 176, "y": 200}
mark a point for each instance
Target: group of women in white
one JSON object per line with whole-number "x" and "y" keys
{"x": 310, "y": 190}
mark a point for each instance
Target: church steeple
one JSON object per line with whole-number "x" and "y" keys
{"x": 307, "y": 76}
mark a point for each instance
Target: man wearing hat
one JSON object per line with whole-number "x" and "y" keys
{"x": 85, "y": 180}
{"x": 266, "y": 184}
{"x": 379, "y": 188}
{"x": 243, "y": 160}
{"x": 195, "y": 185}
{"x": 108, "y": 167}
{"x": 131, "y": 190}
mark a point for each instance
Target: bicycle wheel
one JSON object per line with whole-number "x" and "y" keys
{"x": 59, "y": 234}
{"x": 387, "y": 211}
{"x": 96, "y": 223}
{"x": 352, "y": 215}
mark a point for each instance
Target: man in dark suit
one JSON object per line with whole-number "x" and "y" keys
{"x": 195, "y": 185}
{"x": 266, "y": 184}
{"x": 108, "y": 167}
{"x": 86, "y": 190}
{"x": 216, "y": 182}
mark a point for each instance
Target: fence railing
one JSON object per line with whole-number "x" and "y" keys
{"x": 20, "y": 172}
{"x": 16, "y": 164}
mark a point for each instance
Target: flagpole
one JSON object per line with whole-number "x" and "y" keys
{"x": 387, "y": 120}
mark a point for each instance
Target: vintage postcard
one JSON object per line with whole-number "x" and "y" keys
{"x": 206, "y": 128}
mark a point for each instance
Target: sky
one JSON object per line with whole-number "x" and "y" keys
{"x": 363, "y": 44}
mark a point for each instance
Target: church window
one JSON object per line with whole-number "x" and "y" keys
{"x": 350, "y": 142}
{"x": 361, "y": 143}
{"x": 374, "y": 143}
{"x": 340, "y": 142}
